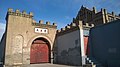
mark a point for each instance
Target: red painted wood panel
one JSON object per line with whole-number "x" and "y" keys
{"x": 39, "y": 52}
{"x": 85, "y": 44}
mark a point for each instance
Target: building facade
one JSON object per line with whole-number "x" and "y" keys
{"x": 71, "y": 44}
{"x": 95, "y": 17}
{"x": 26, "y": 41}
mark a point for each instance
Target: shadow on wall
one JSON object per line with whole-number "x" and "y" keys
{"x": 70, "y": 57}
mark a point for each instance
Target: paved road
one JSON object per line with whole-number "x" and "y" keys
{"x": 42, "y": 65}
{"x": 49, "y": 65}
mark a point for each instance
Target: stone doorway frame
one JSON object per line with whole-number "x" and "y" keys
{"x": 49, "y": 49}
{"x": 26, "y": 50}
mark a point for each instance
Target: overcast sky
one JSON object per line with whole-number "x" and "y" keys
{"x": 59, "y": 11}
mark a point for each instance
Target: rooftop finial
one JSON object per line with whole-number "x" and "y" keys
{"x": 74, "y": 19}
{"x": 48, "y": 23}
{"x": 101, "y": 9}
{"x": 10, "y": 10}
{"x": 17, "y": 11}
{"x": 82, "y": 6}
{"x": 54, "y": 24}
{"x": 73, "y": 24}
{"x": 62, "y": 29}
{"x": 94, "y": 10}
{"x": 41, "y": 21}
{"x": 105, "y": 11}
{"x": 34, "y": 21}
{"x": 113, "y": 13}
{"x": 24, "y": 12}
{"x": 67, "y": 27}
{"x": 31, "y": 13}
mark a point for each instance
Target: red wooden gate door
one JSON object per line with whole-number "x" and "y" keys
{"x": 85, "y": 44}
{"x": 39, "y": 52}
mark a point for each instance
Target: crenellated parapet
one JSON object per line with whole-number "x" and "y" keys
{"x": 73, "y": 24}
{"x": 18, "y": 13}
{"x": 47, "y": 25}
{"x": 73, "y": 27}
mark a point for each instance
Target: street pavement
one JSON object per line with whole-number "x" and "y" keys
{"x": 50, "y": 65}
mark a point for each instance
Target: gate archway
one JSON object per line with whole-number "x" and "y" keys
{"x": 40, "y": 51}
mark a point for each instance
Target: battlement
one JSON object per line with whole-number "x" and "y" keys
{"x": 69, "y": 27}
{"x": 74, "y": 26}
{"x": 47, "y": 24}
{"x": 18, "y": 13}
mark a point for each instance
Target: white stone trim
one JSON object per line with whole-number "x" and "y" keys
{"x": 82, "y": 46}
